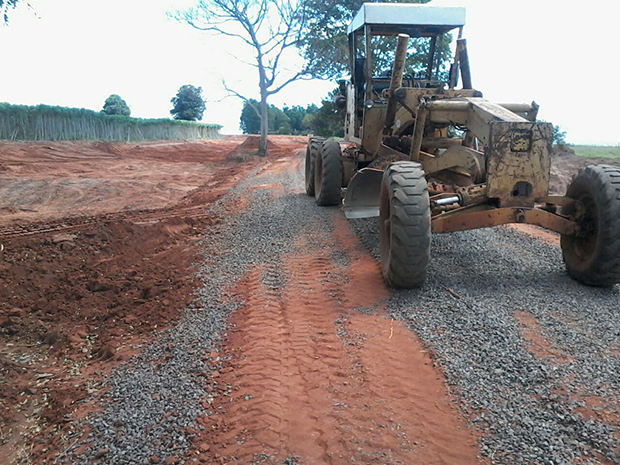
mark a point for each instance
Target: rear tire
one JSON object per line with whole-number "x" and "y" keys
{"x": 405, "y": 225}
{"x": 592, "y": 256}
{"x": 311, "y": 153}
{"x": 328, "y": 174}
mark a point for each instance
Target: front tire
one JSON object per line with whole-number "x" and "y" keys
{"x": 404, "y": 225}
{"x": 311, "y": 153}
{"x": 328, "y": 174}
{"x": 592, "y": 256}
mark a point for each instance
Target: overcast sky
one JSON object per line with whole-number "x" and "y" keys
{"x": 564, "y": 55}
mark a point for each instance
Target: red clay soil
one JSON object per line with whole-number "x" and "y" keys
{"x": 565, "y": 164}
{"x": 538, "y": 344}
{"x": 55, "y": 180}
{"x": 312, "y": 377}
{"x": 80, "y": 294}
{"x": 542, "y": 234}
{"x": 75, "y": 305}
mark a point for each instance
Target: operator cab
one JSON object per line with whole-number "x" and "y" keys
{"x": 372, "y": 38}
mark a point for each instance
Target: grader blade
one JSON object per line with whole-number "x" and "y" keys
{"x": 362, "y": 197}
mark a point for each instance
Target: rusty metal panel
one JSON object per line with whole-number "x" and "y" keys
{"x": 372, "y": 129}
{"x": 473, "y": 218}
{"x": 518, "y": 162}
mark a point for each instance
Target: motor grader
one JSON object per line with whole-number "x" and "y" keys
{"x": 427, "y": 157}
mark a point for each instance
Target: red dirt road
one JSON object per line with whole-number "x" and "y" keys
{"x": 312, "y": 377}
{"x": 88, "y": 275}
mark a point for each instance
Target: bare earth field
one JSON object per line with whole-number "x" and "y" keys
{"x": 50, "y": 181}
{"x": 99, "y": 243}
{"x": 166, "y": 303}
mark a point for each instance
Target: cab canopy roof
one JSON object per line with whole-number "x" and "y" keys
{"x": 413, "y": 19}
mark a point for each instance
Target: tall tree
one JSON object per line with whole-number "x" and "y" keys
{"x": 325, "y": 45}
{"x": 249, "y": 122}
{"x": 5, "y": 6}
{"x": 115, "y": 105}
{"x": 268, "y": 28}
{"x": 559, "y": 136}
{"x": 328, "y": 119}
{"x": 188, "y": 104}
{"x": 296, "y": 115}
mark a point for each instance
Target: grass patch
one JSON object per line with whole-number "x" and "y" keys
{"x": 597, "y": 151}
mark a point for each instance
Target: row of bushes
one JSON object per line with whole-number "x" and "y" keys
{"x": 50, "y": 123}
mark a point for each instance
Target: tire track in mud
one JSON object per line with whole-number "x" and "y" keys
{"x": 320, "y": 374}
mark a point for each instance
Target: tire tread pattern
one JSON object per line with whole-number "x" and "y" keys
{"x": 328, "y": 189}
{"x": 605, "y": 266}
{"x": 408, "y": 257}
{"x": 311, "y": 153}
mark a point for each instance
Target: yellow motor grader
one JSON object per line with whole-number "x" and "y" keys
{"x": 427, "y": 157}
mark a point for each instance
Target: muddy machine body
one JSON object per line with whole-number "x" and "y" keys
{"x": 426, "y": 154}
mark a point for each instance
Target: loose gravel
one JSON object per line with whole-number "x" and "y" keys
{"x": 527, "y": 408}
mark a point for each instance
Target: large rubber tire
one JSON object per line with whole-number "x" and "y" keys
{"x": 311, "y": 153}
{"x": 328, "y": 174}
{"x": 404, "y": 225}
{"x": 592, "y": 256}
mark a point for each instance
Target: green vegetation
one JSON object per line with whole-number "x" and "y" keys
{"x": 115, "y": 105}
{"x": 5, "y": 5}
{"x": 49, "y": 123}
{"x": 559, "y": 136}
{"x": 288, "y": 120}
{"x": 326, "y": 120}
{"x": 188, "y": 104}
{"x": 324, "y": 44}
{"x": 597, "y": 151}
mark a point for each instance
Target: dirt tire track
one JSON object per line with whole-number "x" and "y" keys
{"x": 316, "y": 381}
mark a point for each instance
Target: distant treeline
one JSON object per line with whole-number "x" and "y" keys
{"x": 50, "y": 123}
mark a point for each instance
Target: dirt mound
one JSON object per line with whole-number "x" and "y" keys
{"x": 87, "y": 299}
{"x": 46, "y": 181}
{"x": 248, "y": 148}
{"x": 565, "y": 164}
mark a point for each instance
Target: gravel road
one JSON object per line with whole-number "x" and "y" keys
{"x": 532, "y": 409}
{"x": 531, "y": 358}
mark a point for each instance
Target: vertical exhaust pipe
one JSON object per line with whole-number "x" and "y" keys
{"x": 396, "y": 82}
{"x": 461, "y": 48}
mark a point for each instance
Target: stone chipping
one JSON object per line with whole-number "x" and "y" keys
{"x": 527, "y": 408}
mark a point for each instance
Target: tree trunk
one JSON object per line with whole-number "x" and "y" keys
{"x": 264, "y": 124}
